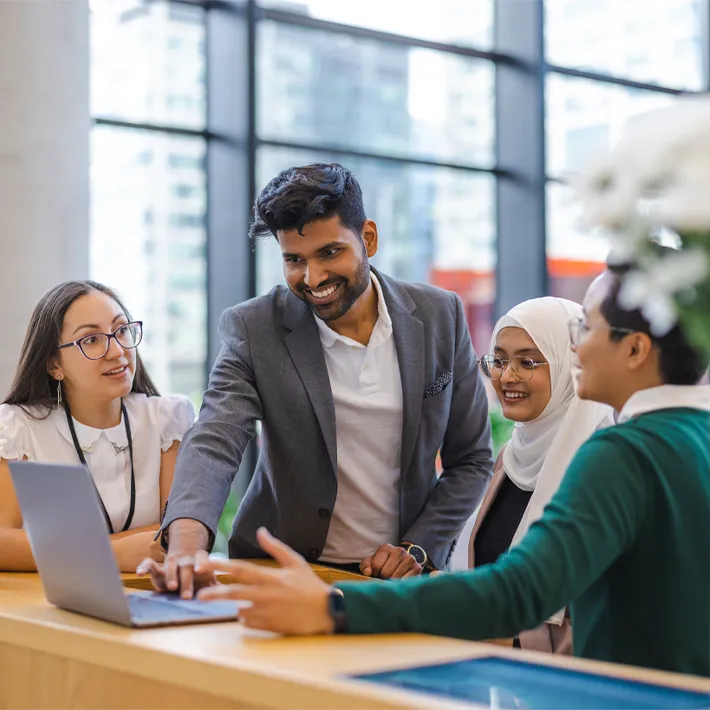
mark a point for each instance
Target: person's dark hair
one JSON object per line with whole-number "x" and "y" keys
{"x": 33, "y": 386}
{"x": 679, "y": 362}
{"x": 300, "y": 195}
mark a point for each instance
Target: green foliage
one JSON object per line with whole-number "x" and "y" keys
{"x": 224, "y": 529}
{"x": 694, "y": 304}
{"x": 501, "y": 429}
{"x": 500, "y": 426}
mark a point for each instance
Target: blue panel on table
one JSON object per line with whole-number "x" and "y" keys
{"x": 502, "y": 683}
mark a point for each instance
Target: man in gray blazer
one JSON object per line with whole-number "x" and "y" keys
{"x": 358, "y": 380}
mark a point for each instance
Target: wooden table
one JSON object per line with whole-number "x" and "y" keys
{"x": 50, "y": 658}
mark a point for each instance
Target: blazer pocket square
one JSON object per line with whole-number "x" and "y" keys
{"x": 439, "y": 384}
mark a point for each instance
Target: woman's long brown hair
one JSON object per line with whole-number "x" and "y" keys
{"x": 33, "y": 386}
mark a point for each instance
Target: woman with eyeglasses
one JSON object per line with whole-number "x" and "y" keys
{"x": 531, "y": 369}
{"x": 81, "y": 395}
{"x": 624, "y": 540}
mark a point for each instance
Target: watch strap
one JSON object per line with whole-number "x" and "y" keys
{"x": 336, "y": 609}
{"x": 162, "y": 536}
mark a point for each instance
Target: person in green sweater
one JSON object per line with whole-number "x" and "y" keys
{"x": 624, "y": 541}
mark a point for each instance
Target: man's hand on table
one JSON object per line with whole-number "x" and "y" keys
{"x": 184, "y": 568}
{"x": 390, "y": 562}
{"x": 291, "y": 599}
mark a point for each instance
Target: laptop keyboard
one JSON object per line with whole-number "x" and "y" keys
{"x": 166, "y": 608}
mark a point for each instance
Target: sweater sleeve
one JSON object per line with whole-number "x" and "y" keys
{"x": 594, "y": 517}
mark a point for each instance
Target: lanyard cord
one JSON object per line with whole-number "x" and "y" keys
{"x": 80, "y": 453}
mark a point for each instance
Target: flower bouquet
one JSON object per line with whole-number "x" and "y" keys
{"x": 654, "y": 185}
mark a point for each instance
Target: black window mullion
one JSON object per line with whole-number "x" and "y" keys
{"x": 521, "y": 271}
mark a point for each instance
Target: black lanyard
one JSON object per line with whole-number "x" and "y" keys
{"x": 132, "y": 506}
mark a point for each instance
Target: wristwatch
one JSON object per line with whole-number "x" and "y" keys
{"x": 418, "y": 553}
{"x": 336, "y": 609}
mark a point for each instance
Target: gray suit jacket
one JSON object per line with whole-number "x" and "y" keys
{"x": 272, "y": 369}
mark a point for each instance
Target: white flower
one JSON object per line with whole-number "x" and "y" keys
{"x": 659, "y": 172}
{"x": 684, "y": 203}
{"x": 628, "y": 243}
{"x": 652, "y": 287}
{"x": 608, "y": 196}
{"x": 638, "y": 292}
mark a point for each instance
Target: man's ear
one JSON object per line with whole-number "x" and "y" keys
{"x": 640, "y": 349}
{"x": 370, "y": 237}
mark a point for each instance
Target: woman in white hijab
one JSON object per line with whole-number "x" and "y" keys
{"x": 531, "y": 368}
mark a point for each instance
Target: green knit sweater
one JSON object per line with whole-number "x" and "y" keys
{"x": 625, "y": 542}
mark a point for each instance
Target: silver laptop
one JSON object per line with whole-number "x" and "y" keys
{"x": 71, "y": 547}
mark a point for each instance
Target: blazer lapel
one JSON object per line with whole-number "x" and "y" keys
{"x": 304, "y": 347}
{"x": 409, "y": 340}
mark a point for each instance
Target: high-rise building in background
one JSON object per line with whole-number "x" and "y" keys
{"x": 148, "y": 188}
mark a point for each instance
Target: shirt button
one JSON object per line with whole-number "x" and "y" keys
{"x": 324, "y": 513}
{"x": 314, "y": 554}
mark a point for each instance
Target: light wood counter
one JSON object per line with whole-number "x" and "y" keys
{"x": 54, "y": 658}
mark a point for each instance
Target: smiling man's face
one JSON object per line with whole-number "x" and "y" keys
{"x": 328, "y": 266}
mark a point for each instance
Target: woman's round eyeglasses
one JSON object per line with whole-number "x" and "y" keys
{"x": 96, "y": 345}
{"x": 523, "y": 368}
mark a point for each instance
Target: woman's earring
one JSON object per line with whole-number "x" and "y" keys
{"x": 59, "y": 391}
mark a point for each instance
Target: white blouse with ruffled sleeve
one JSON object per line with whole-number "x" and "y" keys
{"x": 155, "y": 422}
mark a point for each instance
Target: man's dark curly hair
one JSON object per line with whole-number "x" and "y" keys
{"x": 297, "y": 196}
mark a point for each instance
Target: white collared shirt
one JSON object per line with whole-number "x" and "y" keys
{"x": 666, "y": 397}
{"x": 367, "y": 393}
{"x": 156, "y": 422}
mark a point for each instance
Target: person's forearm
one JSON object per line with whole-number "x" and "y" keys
{"x": 15, "y": 551}
{"x": 472, "y": 605}
{"x": 133, "y": 531}
{"x": 187, "y": 537}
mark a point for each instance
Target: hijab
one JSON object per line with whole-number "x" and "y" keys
{"x": 540, "y": 451}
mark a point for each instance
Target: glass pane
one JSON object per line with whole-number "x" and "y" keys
{"x": 329, "y": 89}
{"x": 436, "y": 225}
{"x": 464, "y": 22}
{"x": 148, "y": 62}
{"x": 148, "y": 242}
{"x": 655, "y": 41}
{"x": 574, "y": 256}
{"x": 584, "y": 119}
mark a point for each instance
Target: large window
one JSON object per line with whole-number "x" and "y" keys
{"x": 403, "y": 93}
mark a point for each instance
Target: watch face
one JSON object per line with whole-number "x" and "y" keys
{"x": 418, "y": 554}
